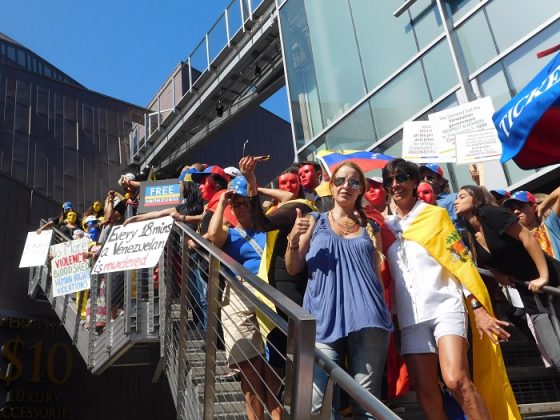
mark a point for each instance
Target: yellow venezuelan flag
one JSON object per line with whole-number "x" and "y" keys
{"x": 434, "y": 230}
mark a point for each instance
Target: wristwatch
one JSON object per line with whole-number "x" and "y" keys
{"x": 475, "y": 304}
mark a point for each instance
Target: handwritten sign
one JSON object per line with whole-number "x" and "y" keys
{"x": 446, "y": 124}
{"x": 137, "y": 245}
{"x": 159, "y": 195}
{"x": 478, "y": 146}
{"x": 419, "y": 143}
{"x": 36, "y": 249}
{"x": 70, "y": 272}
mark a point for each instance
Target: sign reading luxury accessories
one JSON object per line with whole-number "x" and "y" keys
{"x": 137, "y": 245}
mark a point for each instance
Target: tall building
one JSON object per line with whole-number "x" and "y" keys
{"x": 355, "y": 72}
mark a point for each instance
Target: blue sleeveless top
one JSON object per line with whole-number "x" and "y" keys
{"x": 343, "y": 291}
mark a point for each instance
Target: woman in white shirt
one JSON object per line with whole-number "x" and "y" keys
{"x": 430, "y": 300}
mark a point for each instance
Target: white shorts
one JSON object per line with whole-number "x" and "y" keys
{"x": 423, "y": 337}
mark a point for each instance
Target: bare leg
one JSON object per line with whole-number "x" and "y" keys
{"x": 454, "y": 366}
{"x": 422, "y": 369}
{"x": 272, "y": 385}
{"x": 252, "y": 387}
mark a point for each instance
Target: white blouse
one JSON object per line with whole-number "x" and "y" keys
{"x": 423, "y": 289}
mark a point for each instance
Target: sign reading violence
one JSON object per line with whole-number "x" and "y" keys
{"x": 36, "y": 249}
{"x": 137, "y": 245}
{"x": 70, "y": 271}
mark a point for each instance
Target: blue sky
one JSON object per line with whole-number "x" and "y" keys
{"x": 121, "y": 48}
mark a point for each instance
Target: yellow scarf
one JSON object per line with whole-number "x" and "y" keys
{"x": 434, "y": 231}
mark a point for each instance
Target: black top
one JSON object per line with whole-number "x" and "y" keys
{"x": 187, "y": 209}
{"x": 508, "y": 255}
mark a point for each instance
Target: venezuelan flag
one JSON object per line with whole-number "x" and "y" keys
{"x": 367, "y": 161}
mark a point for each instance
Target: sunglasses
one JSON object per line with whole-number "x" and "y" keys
{"x": 352, "y": 183}
{"x": 398, "y": 178}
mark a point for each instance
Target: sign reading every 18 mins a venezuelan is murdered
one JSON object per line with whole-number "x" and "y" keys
{"x": 137, "y": 245}
{"x": 70, "y": 271}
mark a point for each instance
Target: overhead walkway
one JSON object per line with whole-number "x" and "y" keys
{"x": 236, "y": 65}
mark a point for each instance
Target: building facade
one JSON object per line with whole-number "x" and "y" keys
{"x": 355, "y": 72}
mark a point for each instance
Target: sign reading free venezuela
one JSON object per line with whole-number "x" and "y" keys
{"x": 134, "y": 246}
{"x": 159, "y": 195}
{"x": 70, "y": 271}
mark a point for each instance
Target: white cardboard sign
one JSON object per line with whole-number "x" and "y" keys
{"x": 36, "y": 249}
{"x": 70, "y": 272}
{"x": 446, "y": 124}
{"x": 137, "y": 245}
{"x": 478, "y": 146}
{"x": 419, "y": 143}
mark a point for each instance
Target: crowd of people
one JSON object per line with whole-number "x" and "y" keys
{"x": 387, "y": 266}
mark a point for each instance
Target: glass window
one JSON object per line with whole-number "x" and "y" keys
{"x": 355, "y": 132}
{"x": 375, "y": 25}
{"x": 476, "y": 42}
{"x": 335, "y": 56}
{"x": 522, "y": 64}
{"x": 458, "y": 8}
{"x": 2, "y": 48}
{"x": 11, "y": 53}
{"x": 439, "y": 68}
{"x": 47, "y": 71}
{"x": 399, "y": 100}
{"x": 426, "y": 21}
{"x": 493, "y": 83}
{"x": 392, "y": 146}
{"x": 21, "y": 58}
{"x": 527, "y": 15}
{"x": 515, "y": 173}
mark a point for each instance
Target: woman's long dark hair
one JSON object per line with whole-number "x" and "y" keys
{"x": 403, "y": 166}
{"x": 193, "y": 200}
{"x": 362, "y": 218}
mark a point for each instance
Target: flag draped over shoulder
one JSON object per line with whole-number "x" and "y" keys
{"x": 434, "y": 231}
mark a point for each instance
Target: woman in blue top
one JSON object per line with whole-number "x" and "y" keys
{"x": 344, "y": 291}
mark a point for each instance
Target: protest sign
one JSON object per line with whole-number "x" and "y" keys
{"x": 446, "y": 124}
{"x": 137, "y": 245}
{"x": 419, "y": 143}
{"x": 36, "y": 249}
{"x": 478, "y": 146}
{"x": 159, "y": 195}
{"x": 70, "y": 271}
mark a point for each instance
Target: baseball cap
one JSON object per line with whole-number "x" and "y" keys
{"x": 238, "y": 185}
{"x": 232, "y": 171}
{"x": 500, "y": 193}
{"x": 434, "y": 167}
{"x": 186, "y": 174}
{"x": 130, "y": 176}
{"x": 377, "y": 179}
{"x": 91, "y": 220}
{"x": 67, "y": 206}
{"x": 522, "y": 196}
{"x": 198, "y": 176}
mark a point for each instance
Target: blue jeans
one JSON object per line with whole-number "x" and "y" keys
{"x": 198, "y": 290}
{"x": 364, "y": 352}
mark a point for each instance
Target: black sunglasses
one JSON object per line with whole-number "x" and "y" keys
{"x": 399, "y": 178}
{"x": 352, "y": 183}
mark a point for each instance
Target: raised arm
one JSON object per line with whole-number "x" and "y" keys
{"x": 553, "y": 200}
{"x": 298, "y": 242}
{"x": 217, "y": 232}
{"x": 281, "y": 196}
{"x": 149, "y": 216}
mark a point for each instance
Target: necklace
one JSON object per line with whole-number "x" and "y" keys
{"x": 346, "y": 226}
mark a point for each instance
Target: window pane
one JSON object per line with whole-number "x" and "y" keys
{"x": 392, "y": 146}
{"x": 426, "y": 21}
{"x": 493, "y": 83}
{"x": 439, "y": 68}
{"x": 458, "y": 8}
{"x": 335, "y": 57}
{"x": 355, "y": 132}
{"x": 476, "y": 42}
{"x": 527, "y": 15}
{"x": 516, "y": 174}
{"x": 399, "y": 100}
{"x": 375, "y": 25}
{"x": 21, "y": 58}
{"x": 11, "y": 53}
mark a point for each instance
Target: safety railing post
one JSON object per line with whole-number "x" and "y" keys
{"x": 127, "y": 305}
{"x": 190, "y": 73}
{"x": 242, "y": 7}
{"x": 183, "y": 326}
{"x": 211, "y": 338}
{"x": 95, "y": 283}
{"x": 173, "y": 91}
{"x": 207, "y": 51}
{"x": 299, "y": 367}
{"x": 226, "y": 17}
{"x": 158, "y": 112}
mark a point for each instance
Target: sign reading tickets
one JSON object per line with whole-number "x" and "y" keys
{"x": 137, "y": 245}
{"x": 446, "y": 124}
{"x": 70, "y": 271}
{"x": 478, "y": 146}
{"x": 419, "y": 143}
{"x": 36, "y": 249}
{"x": 159, "y": 195}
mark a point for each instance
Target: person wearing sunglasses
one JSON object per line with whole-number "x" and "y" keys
{"x": 341, "y": 251}
{"x": 435, "y": 285}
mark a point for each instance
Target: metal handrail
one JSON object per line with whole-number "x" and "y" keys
{"x": 546, "y": 289}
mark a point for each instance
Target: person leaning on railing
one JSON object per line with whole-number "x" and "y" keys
{"x": 344, "y": 292}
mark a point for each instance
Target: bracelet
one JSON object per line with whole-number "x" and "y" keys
{"x": 475, "y": 304}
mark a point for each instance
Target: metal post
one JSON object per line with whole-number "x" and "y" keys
{"x": 151, "y": 301}
{"x": 211, "y": 337}
{"x": 95, "y": 283}
{"x": 299, "y": 367}
{"x": 250, "y": 9}
{"x": 190, "y": 73}
{"x": 127, "y": 305}
{"x": 158, "y": 112}
{"x": 207, "y": 51}
{"x": 242, "y": 7}
{"x": 183, "y": 325}
{"x": 226, "y": 17}
{"x": 173, "y": 91}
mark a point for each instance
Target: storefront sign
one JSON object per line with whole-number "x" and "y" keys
{"x": 137, "y": 245}
{"x": 69, "y": 270}
{"x": 478, "y": 146}
{"x": 159, "y": 195}
{"x": 36, "y": 249}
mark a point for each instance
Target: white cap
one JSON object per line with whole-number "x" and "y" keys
{"x": 232, "y": 171}
{"x": 130, "y": 176}
{"x": 377, "y": 179}
{"x": 91, "y": 218}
